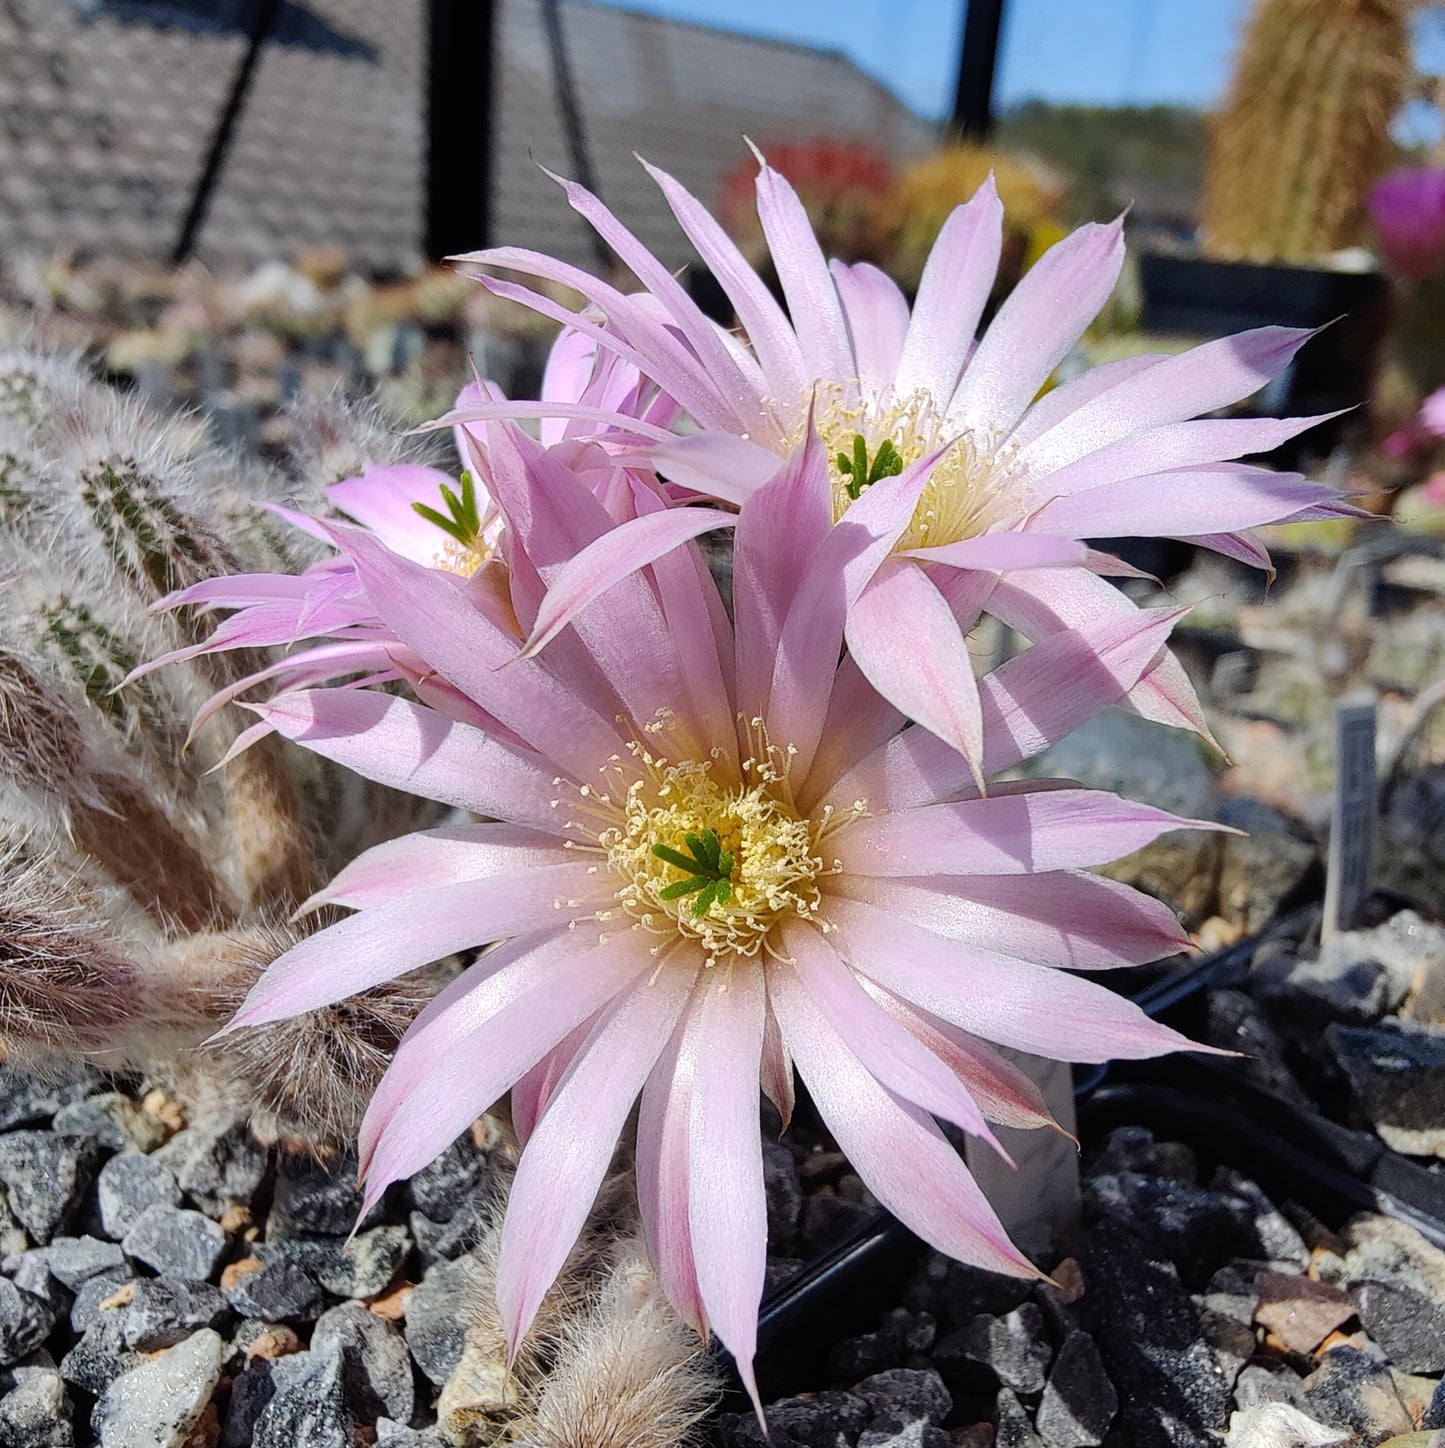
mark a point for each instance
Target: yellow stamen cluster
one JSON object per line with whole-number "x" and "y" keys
{"x": 462, "y": 559}
{"x": 971, "y": 489}
{"x": 776, "y": 854}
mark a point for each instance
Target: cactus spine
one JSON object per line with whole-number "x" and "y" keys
{"x": 1305, "y": 128}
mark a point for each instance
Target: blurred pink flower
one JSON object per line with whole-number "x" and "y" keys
{"x": 716, "y": 855}
{"x": 1408, "y": 208}
{"x": 1022, "y": 475}
{"x": 1432, "y": 413}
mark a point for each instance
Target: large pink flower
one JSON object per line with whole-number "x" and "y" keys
{"x": 1021, "y": 477}
{"x": 715, "y": 856}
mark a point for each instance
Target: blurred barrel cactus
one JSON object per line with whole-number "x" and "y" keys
{"x": 1305, "y": 129}
{"x": 141, "y": 894}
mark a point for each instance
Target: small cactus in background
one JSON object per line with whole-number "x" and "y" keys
{"x": 143, "y": 895}
{"x": 1305, "y": 129}
{"x": 928, "y": 190}
{"x": 844, "y": 185}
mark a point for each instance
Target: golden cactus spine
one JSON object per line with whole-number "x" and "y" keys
{"x": 1305, "y": 128}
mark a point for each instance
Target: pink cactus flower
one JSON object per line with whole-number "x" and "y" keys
{"x": 423, "y": 514}
{"x": 1021, "y": 477}
{"x": 1432, "y": 414}
{"x": 1408, "y": 208}
{"x": 716, "y": 855}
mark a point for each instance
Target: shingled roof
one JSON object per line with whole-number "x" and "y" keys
{"x": 107, "y": 107}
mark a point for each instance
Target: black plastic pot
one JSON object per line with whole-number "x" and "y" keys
{"x": 1194, "y": 297}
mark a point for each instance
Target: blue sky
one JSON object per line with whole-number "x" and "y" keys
{"x": 1104, "y": 51}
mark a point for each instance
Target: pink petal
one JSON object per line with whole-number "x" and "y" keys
{"x": 711, "y": 463}
{"x": 884, "y": 1048}
{"x": 764, "y": 321}
{"x": 1027, "y": 1007}
{"x": 1204, "y": 379}
{"x": 777, "y": 1070}
{"x": 703, "y": 335}
{"x": 859, "y": 721}
{"x": 428, "y": 611}
{"x": 509, "y": 409}
{"x": 415, "y": 749}
{"x": 553, "y": 516}
{"x": 1243, "y": 547}
{"x": 895, "y": 1148}
{"x": 877, "y": 315}
{"x": 1035, "y": 698}
{"x": 957, "y": 280}
{"x": 569, "y": 1152}
{"x": 664, "y": 1125}
{"x": 1003, "y": 1092}
{"x": 1068, "y": 918}
{"x": 932, "y": 680}
{"x": 634, "y": 334}
{"x": 1018, "y": 834}
{"x": 1040, "y": 603}
{"x": 381, "y": 500}
{"x": 813, "y": 304}
{"x": 424, "y": 926}
{"x": 1217, "y": 499}
{"x": 1002, "y": 551}
{"x": 425, "y": 859}
{"x": 1058, "y": 402}
{"x": 1036, "y": 328}
{"x": 609, "y": 559}
{"x": 481, "y": 1037}
{"x": 811, "y": 640}
{"x": 727, "y": 1216}
{"x": 779, "y": 530}
{"x": 531, "y": 1094}
{"x": 1177, "y": 445}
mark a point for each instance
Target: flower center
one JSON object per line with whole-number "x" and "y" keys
{"x": 699, "y": 859}
{"x": 970, "y": 490}
{"x": 467, "y": 546}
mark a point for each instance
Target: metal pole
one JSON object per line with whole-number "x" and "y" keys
{"x": 572, "y": 128}
{"x": 261, "y": 26}
{"x": 459, "y": 126}
{"x": 972, "y": 117}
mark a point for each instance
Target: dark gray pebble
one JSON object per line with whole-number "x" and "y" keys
{"x": 25, "y": 1101}
{"x": 1407, "y": 1324}
{"x": 37, "y": 1414}
{"x": 900, "y": 1335}
{"x": 376, "y": 1370}
{"x": 1014, "y": 1428}
{"x": 278, "y": 1292}
{"x": 1148, "y": 1334}
{"x": 906, "y": 1393}
{"x": 1191, "y": 1227}
{"x": 251, "y": 1392}
{"x": 176, "y": 1242}
{"x": 361, "y": 1267}
{"x": 95, "y": 1290}
{"x": 435, "y": 1317}
{"x": 443, "y": 1187}
{"x": 25, "y": 1322}
{"x": 446, "y": 1241}
{"x": 30, "y": 1271}
{"x": 127, "y": 1185}
{"x": 1015, "y": 1348}
{"x": 965, "y": 1292}
{"x": 46, "y": 1176}
{"x": 1079, "y": 1401}
{"x": 903, "y": 1433}
{"x": 99, "y": 1357}
{"x": 314, "y": 1199}
{"x": 74, "y": 1260}
{"x": 163, "y": 1310}
{"x": 308, "y": 1405}
{"x": 820, "y": 1420}
{"x": 1351, "y": 1389}
{"x": 217, "y": 1162}
{"x": 784, "y": 1195}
